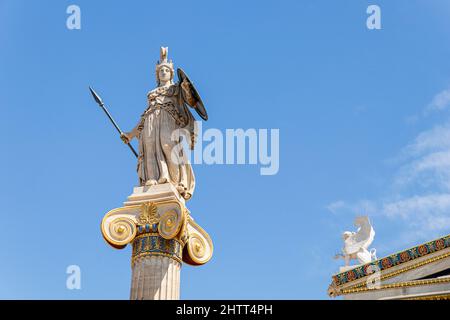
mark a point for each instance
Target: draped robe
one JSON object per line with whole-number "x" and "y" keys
{"x": 158, "y": 136}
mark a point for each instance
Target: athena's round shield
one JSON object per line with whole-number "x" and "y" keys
{"x": 198, "y": 105}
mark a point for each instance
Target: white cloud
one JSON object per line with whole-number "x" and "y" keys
{"x": 419, "y": 195}
{"x": 428, "y": 211}
{"x": 437, "y": 138}
{"x": 432, "y": 169}
{"x": 422, "y": 217}
{"x": 336, "y": 206}
{"x": 440, "y": 101}
{"x": 422, "y": 184}
{"x": 362, "y": 207}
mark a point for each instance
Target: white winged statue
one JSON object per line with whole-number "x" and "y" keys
{"x": 356, "y": 244}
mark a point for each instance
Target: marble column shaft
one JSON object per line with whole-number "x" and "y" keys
{"x": 155, "y": 278}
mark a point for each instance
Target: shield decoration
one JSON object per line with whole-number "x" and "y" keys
{"x": 199, "y": 106}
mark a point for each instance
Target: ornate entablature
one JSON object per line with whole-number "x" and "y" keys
{"x": 421, "y": 272}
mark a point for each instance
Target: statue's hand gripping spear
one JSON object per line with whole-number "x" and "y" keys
{"x": 102, "y": 105}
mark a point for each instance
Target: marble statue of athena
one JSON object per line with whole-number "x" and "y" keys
{"x": 161, "y": 128}
{"x": 155, "y": 219}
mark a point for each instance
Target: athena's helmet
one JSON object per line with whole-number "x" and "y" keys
{"x": 163, "y": 62}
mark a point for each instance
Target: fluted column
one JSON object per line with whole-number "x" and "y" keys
{"x": 156, "y": 265}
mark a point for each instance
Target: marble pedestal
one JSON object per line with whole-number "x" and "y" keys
{"x": 163, "y": 234}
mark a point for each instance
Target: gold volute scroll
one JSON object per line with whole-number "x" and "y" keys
{"x": 199, "y": 247}
{"x": 122, "y": 230}
{"x": 170, "y": 224}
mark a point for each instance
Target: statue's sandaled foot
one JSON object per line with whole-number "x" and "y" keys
{"x": 181, "y": 189}
{"x": 151, "y": 182}
{"x": 162, "y": 180}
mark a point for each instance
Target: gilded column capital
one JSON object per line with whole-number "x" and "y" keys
{"x": 157, "y": 227}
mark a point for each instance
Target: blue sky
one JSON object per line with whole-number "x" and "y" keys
{"x": 364, "y": 128}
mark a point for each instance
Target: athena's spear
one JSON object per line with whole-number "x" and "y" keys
{"x": 102, "y": 105}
